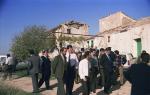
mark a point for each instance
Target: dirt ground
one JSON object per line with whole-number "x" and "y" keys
{"x": 25, "y": 84}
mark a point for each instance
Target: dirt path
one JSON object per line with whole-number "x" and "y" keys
{"x": 25, "y": 84}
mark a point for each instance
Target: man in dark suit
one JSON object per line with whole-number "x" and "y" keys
{"x": 33, "y": 65}
{"x": 45, "y": 68}
{"x": 72, "y": 62}
{"x": 139, "y": 76}
{"x": 108, "y": 70}
{"x": 59, "y": 69}
{"x": 101, "y": 68}
{"x": 94, "y": 70}
{"x": 113, "y": 58}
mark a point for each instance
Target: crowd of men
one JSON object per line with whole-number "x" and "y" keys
{"x": 90, "y": 63}
{"x": 91, "y": 67}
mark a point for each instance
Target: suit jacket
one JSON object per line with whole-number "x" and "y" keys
{"x": 106, "y": 63}
{"x": 139, "y": 76}
{"x": 34, "y": 64}
{"x": 112, "y": 55}
{"x": 45, "y": 66}
{"x": 59, "y": 66}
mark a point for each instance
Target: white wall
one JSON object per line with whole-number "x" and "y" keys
{"x": 125, "y": 41}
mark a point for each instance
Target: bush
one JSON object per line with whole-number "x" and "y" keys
{"x": 21, "y": 73}
{"x": 8, "y": 90}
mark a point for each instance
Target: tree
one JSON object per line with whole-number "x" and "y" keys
{"x": 33, "y": 37}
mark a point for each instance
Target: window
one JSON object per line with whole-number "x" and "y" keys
{"x": 108, "y": 39}
{"x": 92, "y": 43}
{"x": 88, "y": 43}
{"x": 68, "y": 31}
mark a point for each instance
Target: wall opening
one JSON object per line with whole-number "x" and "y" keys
{"x": 139, "y": 46}
{"x": 92, "y": 43}
{"x": 68, "y": 31}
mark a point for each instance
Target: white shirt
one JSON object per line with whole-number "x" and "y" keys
{"x": 9, "y": 60}
{"x": 83, "y": 68}
{"x": 73, "y": 59}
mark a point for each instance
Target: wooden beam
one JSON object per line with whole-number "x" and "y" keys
{"x": 79, "y": 34}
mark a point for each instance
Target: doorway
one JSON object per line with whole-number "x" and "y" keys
{"x": 139, "y": 46}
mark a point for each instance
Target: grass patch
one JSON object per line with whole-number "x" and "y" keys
{"x": 21, "y": 73}
{"x": 8, "y": 90}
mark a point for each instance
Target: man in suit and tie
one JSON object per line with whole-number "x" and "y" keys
{"x": 72, "y": 62}
{"x": 101, "y": 68}
{"x": 108, "y": 70}
{"x": 33, "y": 65}
{"x": 45, "y": 68}
{"x": 59, "y": 69}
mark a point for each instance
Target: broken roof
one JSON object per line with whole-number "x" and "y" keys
{"x": 74, "y": 24}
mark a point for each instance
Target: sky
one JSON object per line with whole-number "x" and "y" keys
{"x": 15, "y": 15}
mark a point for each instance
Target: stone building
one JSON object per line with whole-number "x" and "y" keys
{"x": 70, "y": 29}
{"x": 123, "y": 33}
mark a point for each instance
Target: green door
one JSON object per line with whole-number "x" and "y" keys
{"x": 139, "y": 46}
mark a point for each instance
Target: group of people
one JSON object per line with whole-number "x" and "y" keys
{"x": 8, "y": 67}
{"x": 104, "y": 62}
{"x": 90, "y": 67}
{"x": 87, "y": 65}
{"x": 38, "y": 65}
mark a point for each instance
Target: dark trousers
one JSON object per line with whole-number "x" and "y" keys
{"x": 102, "y": 77}
{"x": 8, "y": 72}
{"x": 85, "y": 87}
{"x": 60, "y": 89}
{"x": 45, "y": 78}
{"x": 114, "y": 76}
{"x": 70, "y": 77}
{"x": 108, "y": 80}
{"x": 93, "y": 81}
{"x": 35, "y": 82}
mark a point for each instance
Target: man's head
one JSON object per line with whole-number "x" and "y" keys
{"x": 69, "y": 48}
{"x": 145, "y": 57}
{"x": 8, "y": 55}
{"x": 45, "y": 52}
{"x": 82, "y": 49}
{"x": 107, "y": 50}
{"x": 31, "y": 51}
{"x": 63, "y": 50}
{"x": 144, "y": 51}
{"x": 116, "y": 52}
{"x": 93, "y": 52}
{"x": 102, "y": 51}
{"x": 87, "y": 55}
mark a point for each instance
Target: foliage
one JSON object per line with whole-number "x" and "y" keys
{"x": 33, "y": 37}
{"x": 8, "y": 90}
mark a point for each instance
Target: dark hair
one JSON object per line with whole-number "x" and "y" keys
{"x": 82, "y": 49}
{"x": 31, "y": 51}
{"x": 46, "y": 50}
{"x": 8, "y": 55}
{"x": 116, "y": 52}
{"x": 69, "y": 46}
{"x": 87, "y": 53}
{"x": 62, "y": 49}
{"x": 102, "y": 49}
{"x": 108, "y": 48}
{"x": 143, "y": 51}
{"x": 145, "y": 57}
